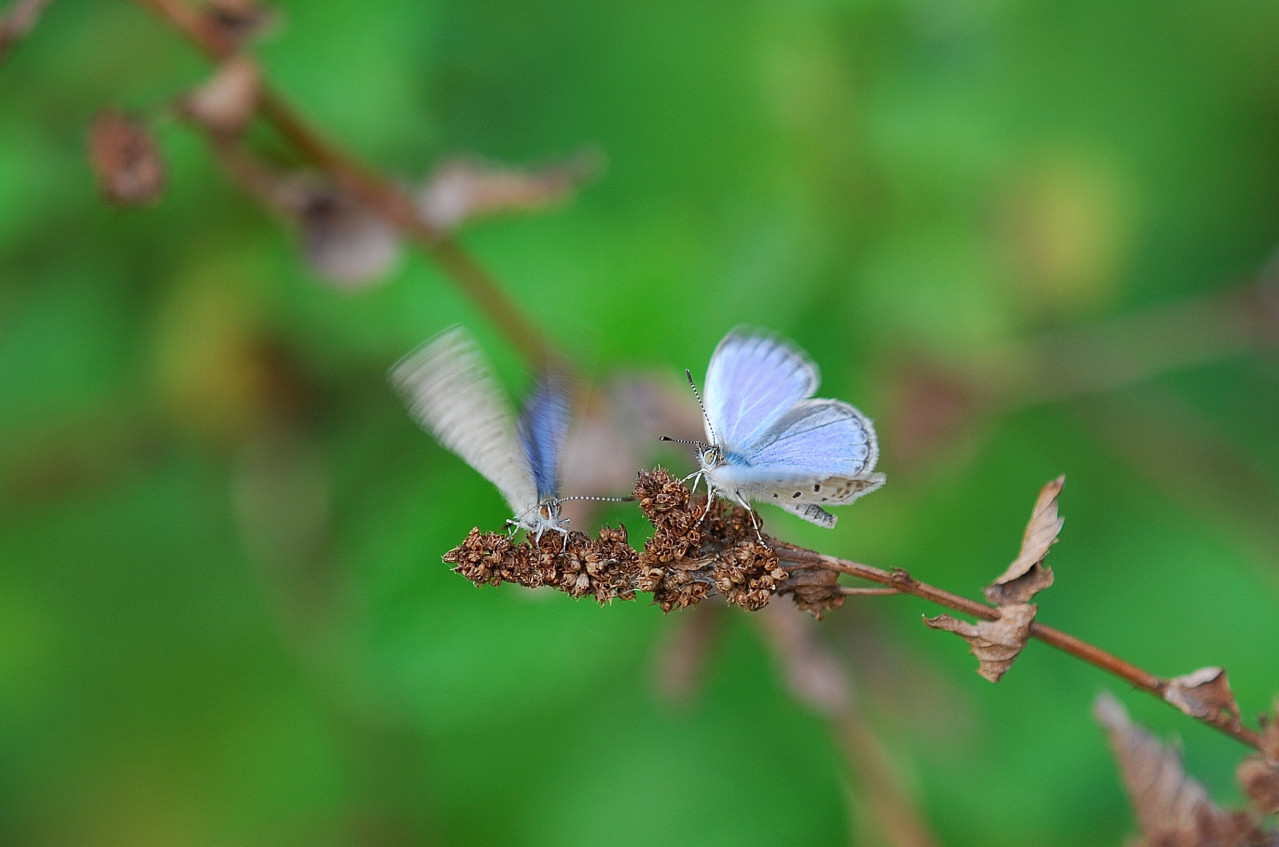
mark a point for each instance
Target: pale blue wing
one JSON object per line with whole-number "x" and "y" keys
{"x": 818, "y": 439}
{"x": 751, "y": 382}
{"x": 542, "y": 427}
{"x": 449, "y": 391}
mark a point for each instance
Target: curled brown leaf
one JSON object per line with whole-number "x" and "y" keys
{"x": 461, "y": 190}
{"x": 1027, "y": 574}
{"x": 1259, "y": 780}
{"x": 995, "y": 643}
{"x": 1172, "y": 808}
{"x": 1258, "y": 774}
{"x": 1204, "y": 693}
{"x": 225, "y": 103}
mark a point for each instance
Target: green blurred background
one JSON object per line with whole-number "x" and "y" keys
{"x": 1005, "y": 230}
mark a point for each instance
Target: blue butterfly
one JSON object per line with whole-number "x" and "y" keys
{"x": 450, "y": 392}
{"x": 771, "y": 442}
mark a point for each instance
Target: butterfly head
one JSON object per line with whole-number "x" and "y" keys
{"x": 548, "y": 513}
{"x": 709, "y": 455}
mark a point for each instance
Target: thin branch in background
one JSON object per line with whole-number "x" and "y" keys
{"x": 819, "y": 680}
{"x": 381, "y": 195}
{"x": 19, "y": 20}
{"x": 935, "y": 402}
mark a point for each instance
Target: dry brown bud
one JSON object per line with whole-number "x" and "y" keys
{"x": 343, "y": 240}
{"x": 125, "y": 159}
{"x": 226, "y": 102}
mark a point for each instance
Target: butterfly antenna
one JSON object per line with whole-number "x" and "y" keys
{"x": 598, "y": 499}
{"x": 701, "y": 405}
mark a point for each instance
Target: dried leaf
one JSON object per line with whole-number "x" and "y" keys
{"x": 125, "y": 159}
{"x": 995, "y": 643}
{"x": 344, "y": 241}
{"x": 1027, "y": 574}
{"x": 1204, "y": 693}
{"x": 1172, "y": 808}
{"x": 1260, "y": 781}
{"x": 226, "y": 103}
{"x": 461, "y": 190}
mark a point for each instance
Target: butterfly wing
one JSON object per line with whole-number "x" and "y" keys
{"x": 450, "y": 392}
{"x": 819, "y": 452}
{"x": 751, "y": 382}
{"x": 817, "y": 438}
{"x": 542, "y": 428}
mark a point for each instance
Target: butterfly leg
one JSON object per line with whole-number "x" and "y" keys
{"x": 754, "y": 517}
{"x": 696, "y": 478}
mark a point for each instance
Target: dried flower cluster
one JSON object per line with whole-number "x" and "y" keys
{"x": 689, "y": 557}
{"x": 605, "y": 567}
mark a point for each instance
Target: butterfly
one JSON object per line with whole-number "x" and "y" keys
{"x": 451, "y": 393}
{"x": 771, "y": 441}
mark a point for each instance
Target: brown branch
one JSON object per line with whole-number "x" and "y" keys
{"x": 381, "y": 195}
{"x": 888, "y": 813}
{"x": 17, "y": 22}
{"x": 902, "y": 582}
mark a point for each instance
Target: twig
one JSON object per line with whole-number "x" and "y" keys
{"x": 816, "y": 677}
{"x": 902, "y": 582}
{"x": 17, "y": 22}
{"x": 380, "y": 194}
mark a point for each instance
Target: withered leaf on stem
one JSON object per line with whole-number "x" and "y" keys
{"x": 225, "y": 104}
{"x": 995, "y": 643}
{"x": 1172, "y": 808}
{"x": 461, "y": 190}
{"x": 1027, "y": 574}
{"x": 344, "y": 241}
{"x": 1204, "y": 693}
{"x": 125, "y": 159}
{"x": 1259, "y": 779}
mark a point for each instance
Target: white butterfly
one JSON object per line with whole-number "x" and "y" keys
{"x": 771, "y": 442}
{"x": 450, "y": 392}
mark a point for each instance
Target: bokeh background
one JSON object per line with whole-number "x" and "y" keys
{"x": 1026, "y": 238}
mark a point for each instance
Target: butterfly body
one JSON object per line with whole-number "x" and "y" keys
{"x": 771, "y": 442}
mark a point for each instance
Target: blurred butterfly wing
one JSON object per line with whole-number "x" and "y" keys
{"x": 752, "y": 381}
{"x": 817, "y": 438}
{"x": 542, "y": 427}
{"x": 449, "y": 391}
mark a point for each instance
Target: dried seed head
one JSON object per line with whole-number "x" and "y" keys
{"x": 689, "y": 557}
{"x": 685, "y": 559}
